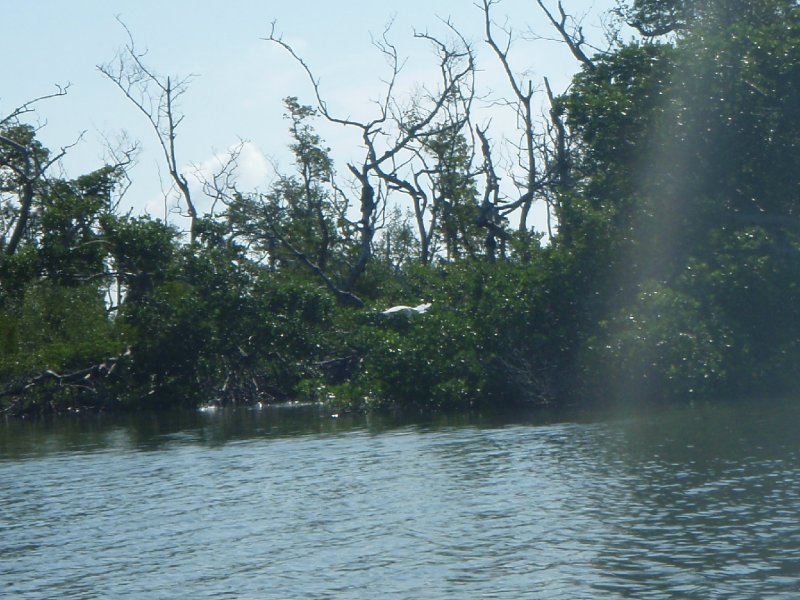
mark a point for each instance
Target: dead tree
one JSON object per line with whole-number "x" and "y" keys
{"x": 559, "y": 164}
{"x": 220, "y": 185}
{"x": 433, "y": 117}
{"x": 392, "y": 140}
{"x": 489, "y": 215}
{"x": 533, "y": 179}
{"x": 156, "y": 97}
{"x": 544, "y": 155}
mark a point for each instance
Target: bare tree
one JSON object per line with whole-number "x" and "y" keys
{"x": 428, "y": 131}
{"x": 559, "y": 162}
{"x": 156, "y": 97}
{"x": 393, "y": 141}
{"x": 544, "y": 155}
{"x": 535, "y": 175}
{"x": 489, "y": 215}
{"x": 121, "y": 154}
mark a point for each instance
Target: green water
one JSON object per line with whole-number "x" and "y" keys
{"x": 697, "y": 502}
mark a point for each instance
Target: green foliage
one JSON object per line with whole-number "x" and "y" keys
{"x": 684, "y": 210}
{"x": 491, "y": 337}
{"x": 664, "y": 345}
{"x": 141, "y": 249}
{"x": 290, "y": 332}
{"x": 455, "y": 204}
{"x": 675, "y": 274}
{"x": 55, "y": 328}
{"x": 17, "y": 272}
{"x": 398, "y": 246}
{"x": 659, "y": 17}
{"x": 303, "y": 213}
{"x": 71, "y": 247}
{"x": 426, "y": 361}
{"x": 219, "y": 329}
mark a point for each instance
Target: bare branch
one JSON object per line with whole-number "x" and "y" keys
{"x": 436, "y": 113}
{"x": 524, "y": 99}
{"x": 83, "y": 378}
{"x": 574, "y": 40}
{"x": 121, "y": 155}
{"x": 29, "y": 106}
{"x": 315, "y": 83}
{"x": 155, "y": 98}
{"x": 220, "y": 185}
{"x": 489, "y": 215}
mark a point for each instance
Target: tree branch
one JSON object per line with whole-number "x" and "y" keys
{"x": 136, "y": 80}
{"x": 83, "y": 378}
{"x": 575, "y": 40}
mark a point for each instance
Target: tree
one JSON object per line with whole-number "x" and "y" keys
{"x": 301, "y": 217}
{"x": 303, "y": 220}
{"x": 686, "y": 171}
{"x": 393, "y": 140}
{"x": 59, "y": 342}
{"x": 50, "y": 224}
{"x": 454, "y": 195}
{"x": 157, "y": 98}
{"x": 398, "y": 242}
{"x": 655, "y": 18}
{"x": 23, "y": 164}
{"x": 543, "y": 159}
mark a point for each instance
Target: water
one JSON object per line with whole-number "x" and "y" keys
{"x": 699, "y": 502}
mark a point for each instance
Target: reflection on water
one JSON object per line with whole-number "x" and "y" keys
{"x": 699, "y": 502}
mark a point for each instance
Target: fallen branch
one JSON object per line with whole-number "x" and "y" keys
{"x": 83, "y": 378}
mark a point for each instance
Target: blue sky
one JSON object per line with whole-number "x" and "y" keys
{"x": 240, "y": 80}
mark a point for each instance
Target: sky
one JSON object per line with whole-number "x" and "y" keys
{"x": 239, "y": 80}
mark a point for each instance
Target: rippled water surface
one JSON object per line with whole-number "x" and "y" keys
{"x": 700, "y": 502}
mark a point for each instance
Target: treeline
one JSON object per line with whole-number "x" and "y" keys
{"x": 670, "y": 270}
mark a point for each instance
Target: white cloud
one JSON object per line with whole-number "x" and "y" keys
{"x": 254, "y": 170}
{"x": 245, "y": 165}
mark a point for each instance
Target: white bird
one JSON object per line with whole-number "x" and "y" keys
{"x": 406, "y": 310}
